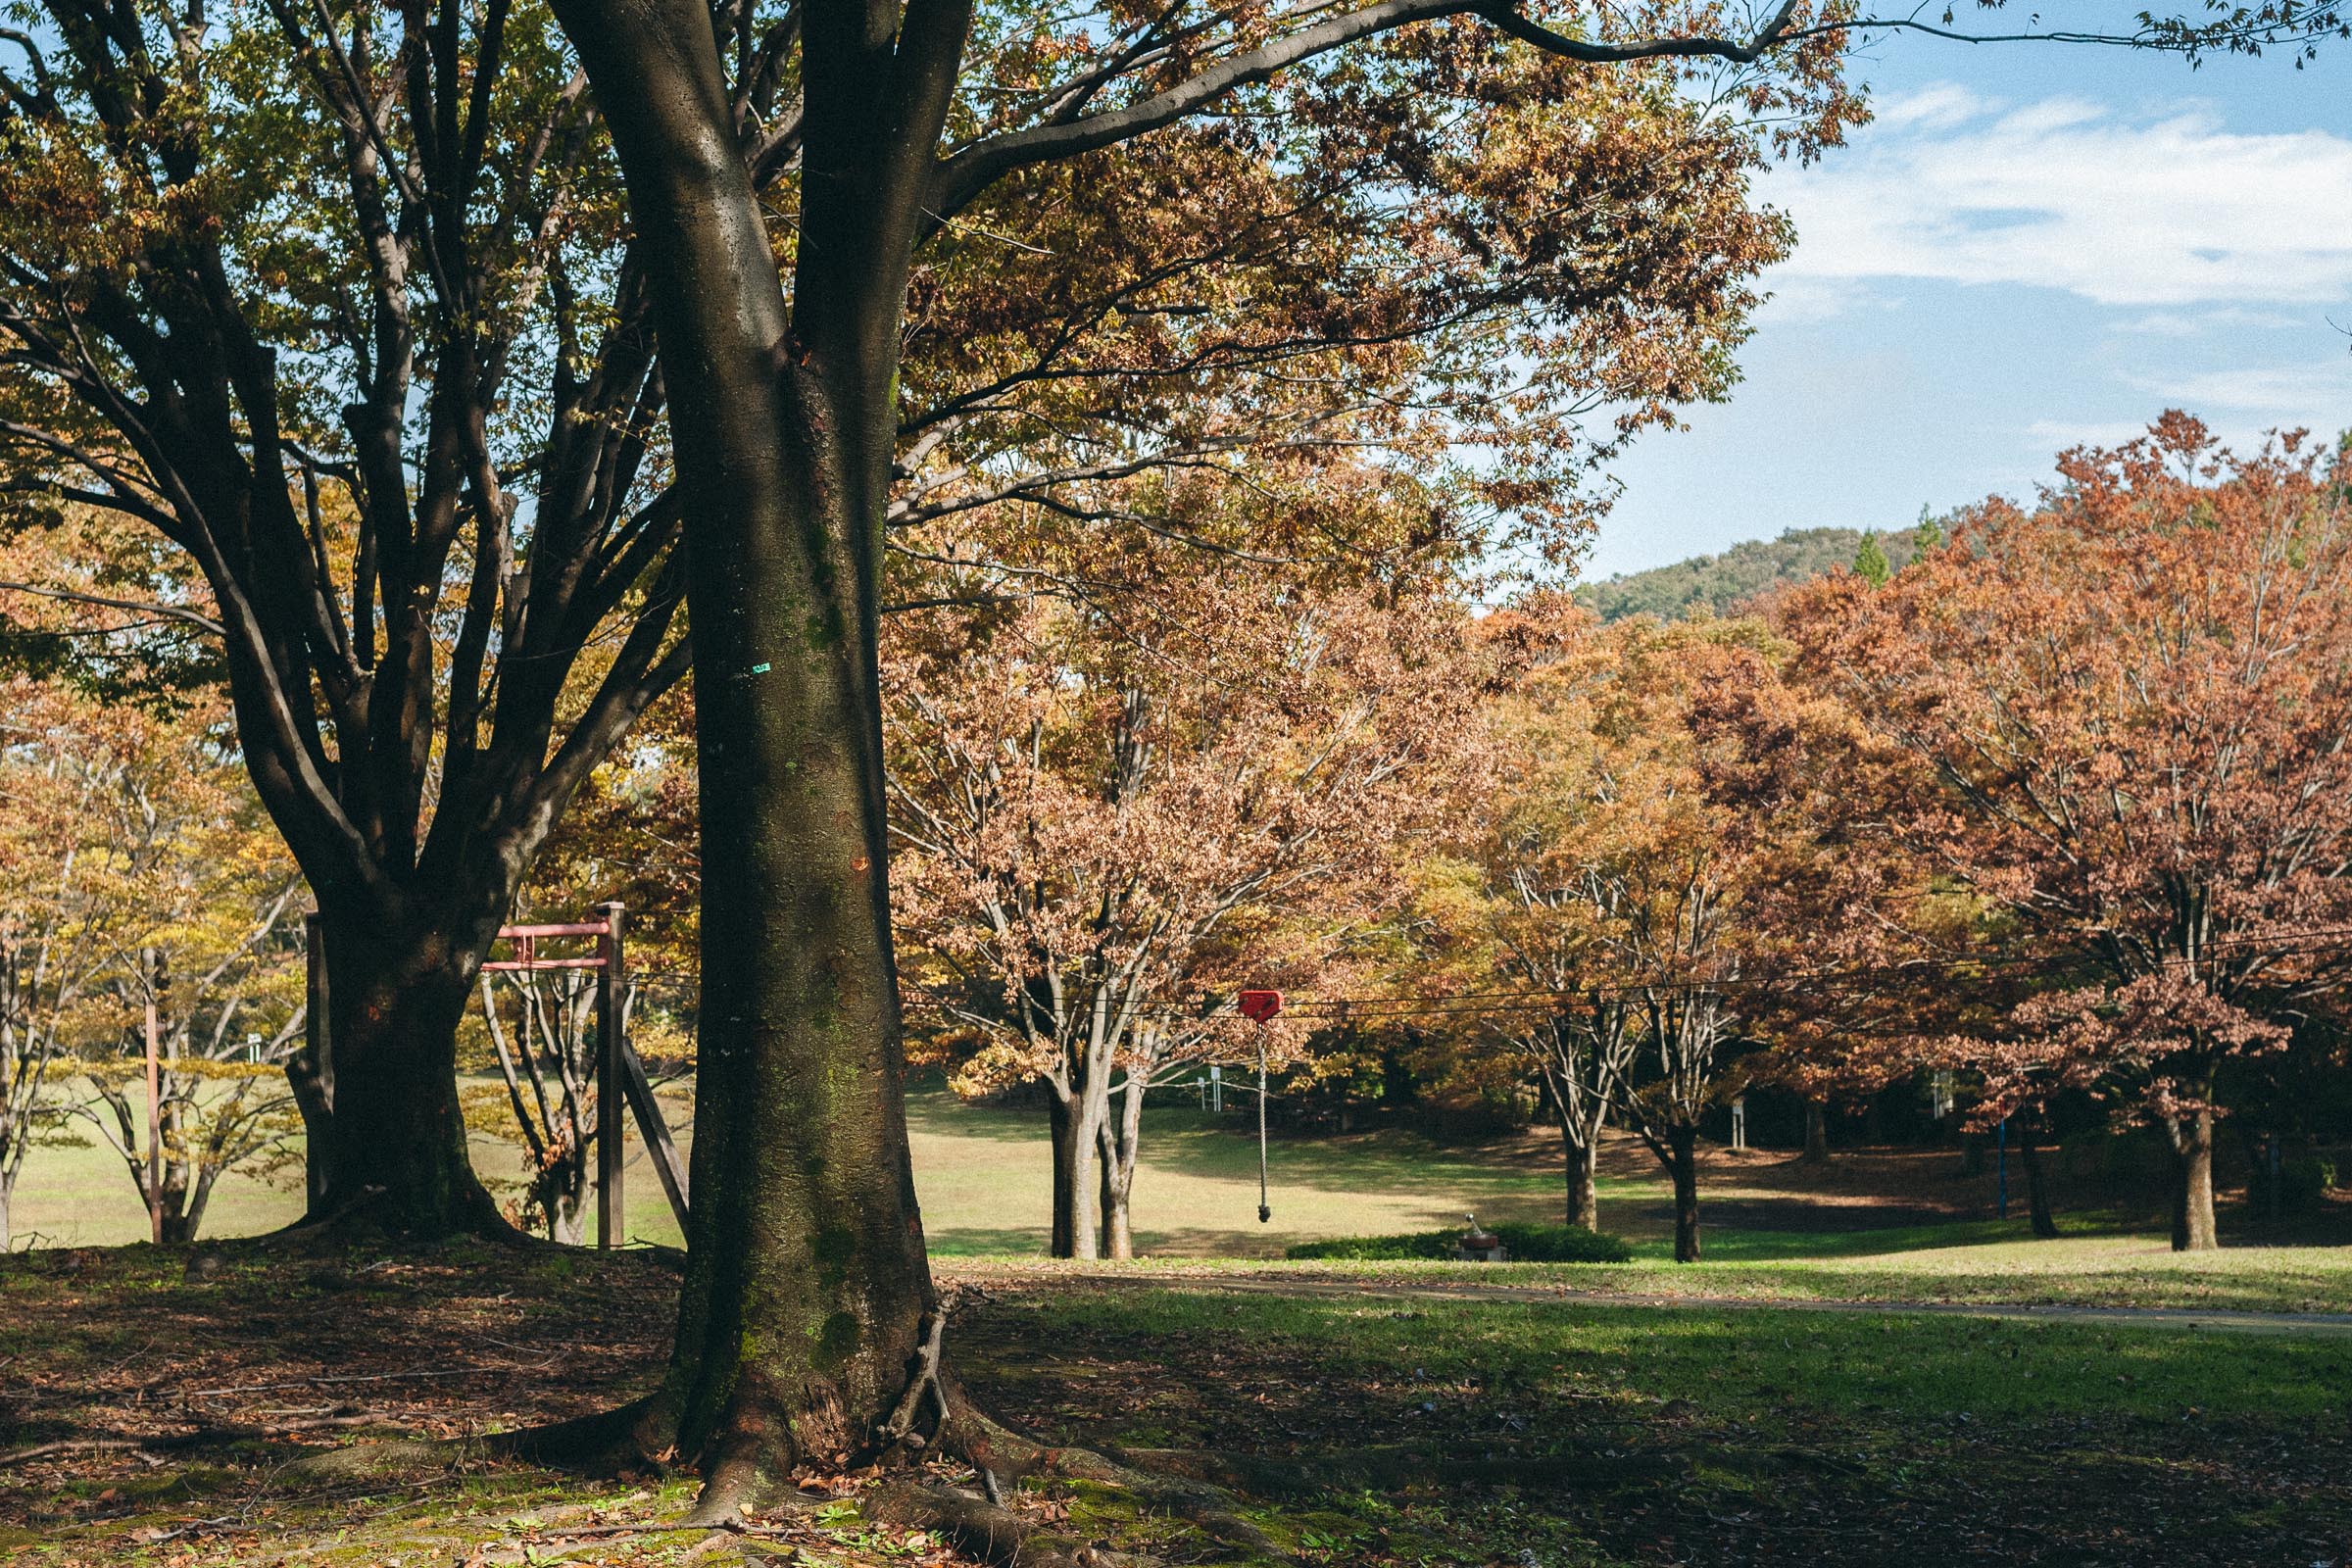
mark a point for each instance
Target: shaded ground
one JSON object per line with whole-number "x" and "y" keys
{"x": 1707, "y": 1437}
{"x": 1365, "y": 1430}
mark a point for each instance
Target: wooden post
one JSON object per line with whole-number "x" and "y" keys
{"x": 655, "y": 1131}
{"x": 612, "y": 1108}
{"x": 155, "y": 1105}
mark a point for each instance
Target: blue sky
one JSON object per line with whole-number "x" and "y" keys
{"x": 2032, "y": 246}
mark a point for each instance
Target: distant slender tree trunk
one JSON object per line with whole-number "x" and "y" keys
{"x": 1683, "y": 1165}
{"x": 1583, "y": 1183}
{"x": 567, "y": 1217}
{"x": 1122, "y": 1144}
{"x": 1062, "y": 1120}
{"x": 1817, "y": 1133}
{"x": 2038, "y": 1187}
{"x": 2193, "y": 1227}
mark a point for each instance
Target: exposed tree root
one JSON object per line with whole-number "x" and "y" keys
{"x": 630, "y": 1437}
{"x": 987, "y": 1530}
{"x": 202, "y": 1437}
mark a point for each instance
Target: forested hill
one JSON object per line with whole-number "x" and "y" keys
{"x": 1722, "y": 581}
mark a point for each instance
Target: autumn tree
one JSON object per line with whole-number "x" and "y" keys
{"x": 1646, "y": 875}
{"x": 1109, "y": 821}
{"x": 1505, "y": 921}
{"x": 786, "y": 438}
{"x": 2129, "y": 710}
{"x": 139, "y": 870}
{"x": 56, "y": 944}
{"x": 209, "y": 932}
{"x": 429, "y": 462}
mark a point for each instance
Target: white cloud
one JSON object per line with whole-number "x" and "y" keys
{"x": 2069, "y": 195}
{"x": 2289, "y": 391}
{"x": 2058, "y": 435}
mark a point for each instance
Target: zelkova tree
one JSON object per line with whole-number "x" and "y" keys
{"x": 1645, "y": 874}
{"x": 340, "y": 304}
{"x": 56, "y": 909}
{"x": 337, "y": 308}
{"x": 1512, "y": 903}
{"x": 808, "y": 1297}
{"x": 1108, "y": 822}
{"x": 2128, "y": 711}
{"x": 134, "y": 867}
{"x": 208, "y": 930}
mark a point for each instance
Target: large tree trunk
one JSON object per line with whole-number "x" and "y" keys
{"x": 392, "y": 1148}
{"x": 2193, "y": 1228}
{"x": 2037, "y": 1186}
{"x": 806, "y": 1284}
{"x": 1817, "y": 1134}
{"x": 1683, "y": 1165}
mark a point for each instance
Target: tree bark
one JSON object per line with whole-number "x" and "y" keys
{"x": 393, "y": 1150}
{"x": 1076, "y": 1212}
{"x": 1122, "y": 1143}
{"x": 1817, "y": 1134}
{"x": 1683, "y": 1148}
{"x": 1582, "y": 1161}
{"x": 2193, "y": 1227}
{"x": 808, "y": 1286}
{"x": 2038, "y": 1187}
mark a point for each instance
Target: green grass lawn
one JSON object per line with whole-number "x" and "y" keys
{"x": 1375, "y": 1432}
{"x": 1713, "y": 1435}
{"x": 982, "y": 1175}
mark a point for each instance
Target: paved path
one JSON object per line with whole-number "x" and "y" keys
{"x": 2158, "y": 1317}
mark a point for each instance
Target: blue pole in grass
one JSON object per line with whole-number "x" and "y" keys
{"x": 2001, "y": 1166}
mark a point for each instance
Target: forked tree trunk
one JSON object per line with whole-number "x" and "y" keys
{"x": 806, "y": 1284}
{"x": 2193, "y": 1227}
{"x": 1584, "y": 1186}
{"x": 1118, "y": 1231}
{"x": 1681, "y": 1164}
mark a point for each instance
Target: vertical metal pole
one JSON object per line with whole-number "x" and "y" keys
{"x": 154, "y": 1106}
{"x": 2001, "y": 1165}
{"x": 1265, "y": 1213}
{"x": 612, "y": 1112}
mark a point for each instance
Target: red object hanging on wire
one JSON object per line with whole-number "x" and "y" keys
{"x": 1260, "y": 1006}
